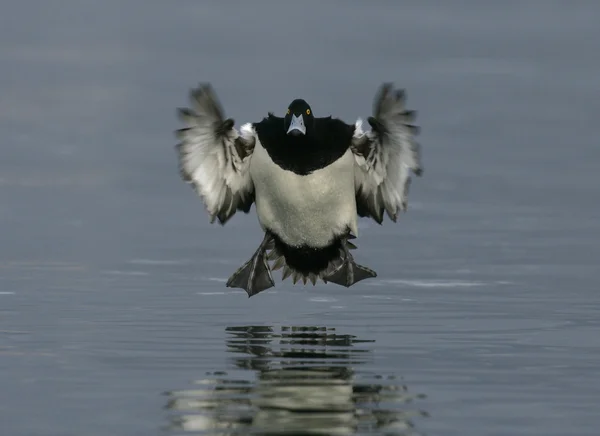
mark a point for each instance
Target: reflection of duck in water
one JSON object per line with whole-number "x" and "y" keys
{"x": 303, "y": 385}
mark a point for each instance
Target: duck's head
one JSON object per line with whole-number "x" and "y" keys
{"x": 299, "y": 118}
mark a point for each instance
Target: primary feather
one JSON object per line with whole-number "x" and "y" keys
{"x": 214, "y": 157}
{"x": 385, "y": 156}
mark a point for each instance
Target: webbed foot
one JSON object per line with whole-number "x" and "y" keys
{"x": 344, "y": 271}
{"x": 255, "y": 275}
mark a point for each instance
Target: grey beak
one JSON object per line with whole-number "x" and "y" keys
{"x": 297, "y": 126}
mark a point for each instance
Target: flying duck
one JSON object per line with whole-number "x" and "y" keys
{"x": 309, "y": 177}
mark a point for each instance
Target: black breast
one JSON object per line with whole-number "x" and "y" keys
{"x": 326, "y": 143}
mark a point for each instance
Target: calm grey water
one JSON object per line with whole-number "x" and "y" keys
{"x": 114, "y": 317}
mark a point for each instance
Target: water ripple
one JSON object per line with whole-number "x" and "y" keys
{"x": 294, "y": 381}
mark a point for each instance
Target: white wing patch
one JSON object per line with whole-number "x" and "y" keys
{"x": 215, "y": 158}
{"x": 385, "y": 157}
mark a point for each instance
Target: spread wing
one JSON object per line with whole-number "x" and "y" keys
{"x": 385, "y": 156}
{"x": 214, "y": 158}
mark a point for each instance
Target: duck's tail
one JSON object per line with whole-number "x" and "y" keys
{"x": 330, "y": 264}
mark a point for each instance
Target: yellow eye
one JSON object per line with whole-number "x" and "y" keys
{"x": 288, "y": 111}
{"x": 307, "y": 111}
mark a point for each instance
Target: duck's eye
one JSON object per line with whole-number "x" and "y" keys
{"x": 288, "y": 111}
{"x": 307, "y": 111}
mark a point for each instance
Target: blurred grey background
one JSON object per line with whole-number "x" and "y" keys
{"x": 112, "y": 280}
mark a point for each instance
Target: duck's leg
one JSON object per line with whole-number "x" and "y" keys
{"x": 255, "y": 275}
{"x": 344, "y": 271}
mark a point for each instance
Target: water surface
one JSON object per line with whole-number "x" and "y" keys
{"x": 114, "y": 317}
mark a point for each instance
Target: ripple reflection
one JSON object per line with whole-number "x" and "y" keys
{"x": 294, "y": 381}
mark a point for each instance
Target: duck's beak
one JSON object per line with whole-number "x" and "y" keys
{"x": 297, "y": 127}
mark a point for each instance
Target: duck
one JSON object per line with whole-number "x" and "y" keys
{"x": 310, "y": 179}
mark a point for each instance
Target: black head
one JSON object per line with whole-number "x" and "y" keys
{"x": 299, "y": 118}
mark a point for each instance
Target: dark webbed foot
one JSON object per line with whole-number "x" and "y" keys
{"x": 344, "y": 271}
{"x": 255, "y": 275}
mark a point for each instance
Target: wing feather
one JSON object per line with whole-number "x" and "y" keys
{"x": 214, "y": 157}
{"x": 385, "y": 156}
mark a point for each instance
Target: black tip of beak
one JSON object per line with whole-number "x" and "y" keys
{"x": 295, "y": 132}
